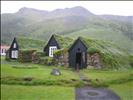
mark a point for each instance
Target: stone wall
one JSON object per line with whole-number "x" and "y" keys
{"x": 62, "y": 60}
{"x": 94, "y": 60}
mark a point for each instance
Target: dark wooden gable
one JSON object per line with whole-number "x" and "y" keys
{"x": 78, "y": 55}
{"x": 52, "y": 42}
{"x": 12, "y": 47}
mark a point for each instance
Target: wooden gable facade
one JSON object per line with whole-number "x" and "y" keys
{"x": 78, "y": 55}
{"x": 14, "y": 49}
{"x": 51, "y": 46}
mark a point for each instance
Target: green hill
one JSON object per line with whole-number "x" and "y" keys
{"x": 69, "y": 22}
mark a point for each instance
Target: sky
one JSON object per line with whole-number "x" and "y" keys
{"x": 97, "y": 7}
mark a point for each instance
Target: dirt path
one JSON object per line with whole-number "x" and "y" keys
{"x": 90, "y": 93}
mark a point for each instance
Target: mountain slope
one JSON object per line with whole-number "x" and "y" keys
{"x": 71, "y": 22}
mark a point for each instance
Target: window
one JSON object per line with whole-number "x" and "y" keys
{"x": 51, "y": 50}
{"x": 14, "y": 54}
{"x": 14, "y": 45}
{"x": 2, "y": 50}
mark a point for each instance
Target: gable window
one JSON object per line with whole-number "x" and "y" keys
{"x": 14, "y": 45}
{"x": 51, "y": 50}
{"x": 14, "y": 54}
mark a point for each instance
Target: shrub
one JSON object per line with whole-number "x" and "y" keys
{"x": 25, "y": 55}
{"x": 36, "y": 57}
{"x": 60, "y": 52}
{"x": 47, "y": 61}
{"x": 40, "y": 54}
{"x": 93, "y": 51}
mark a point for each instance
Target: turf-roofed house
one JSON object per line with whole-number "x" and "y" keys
{"x": 55, "y": 43}
{"x": 78, "y": 54}
{"x": 13, "y": 50}
{"x": 64, "y": 51}
{"x": 69, "y": 52}
{"x": 83, "y": 52}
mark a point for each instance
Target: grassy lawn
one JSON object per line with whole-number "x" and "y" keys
{"x": 38, "y": 71}
{"x": 48, "y": 87}
{"x": 125, "y": 90}
{"x": 18, "y": 92}
{"x": 39, "y": 74}
{"x": 109, "y": 77}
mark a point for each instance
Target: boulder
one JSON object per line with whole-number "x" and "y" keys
{"x": 55, "y": 72}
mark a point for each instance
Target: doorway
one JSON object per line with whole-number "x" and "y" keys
{"x": 78, "y": 60}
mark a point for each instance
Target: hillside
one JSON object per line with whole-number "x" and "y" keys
{"x": 71, "y": 22}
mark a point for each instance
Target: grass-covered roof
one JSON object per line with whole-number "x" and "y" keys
{"x": 99, "y": 45}
{"x": 102, "y": 46}
{"x": 63, "y": 42}
{"x": 28, "y": 43}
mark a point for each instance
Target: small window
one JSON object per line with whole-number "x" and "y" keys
{"x": 14, "y": 45}
{"x": 51, "y": 50}
{"x": 14, "y": 54}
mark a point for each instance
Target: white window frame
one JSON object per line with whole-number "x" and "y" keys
{"x": 3, "y": 52}
{"x": 51, "y": 50}
{"x": 14, "y": 45}
{"x": 14, "y": 54}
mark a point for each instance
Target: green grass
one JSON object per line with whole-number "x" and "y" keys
{"x": 125, "y": 90}
{"x": 15, "y": 73}
{"x": 40, "y": 72}
{"x": 44, "y": 85}
{"x": 18, "y": 92}
{"x": 109, "y": 77}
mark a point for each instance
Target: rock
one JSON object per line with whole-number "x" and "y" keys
{"x": 56, "y": 72}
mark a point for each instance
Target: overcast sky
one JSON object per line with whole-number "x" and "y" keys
{"x": 96, "y": 7}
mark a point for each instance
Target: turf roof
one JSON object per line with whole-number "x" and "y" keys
{"x": 63, "y": 42}
{"x": 102, "y": 46}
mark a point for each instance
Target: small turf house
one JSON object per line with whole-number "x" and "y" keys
{"x": 51, "y": 46}
{"x": 13, "y": 50}
{"x": 56, "y": 42}
{"x": 78, "y": 55}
